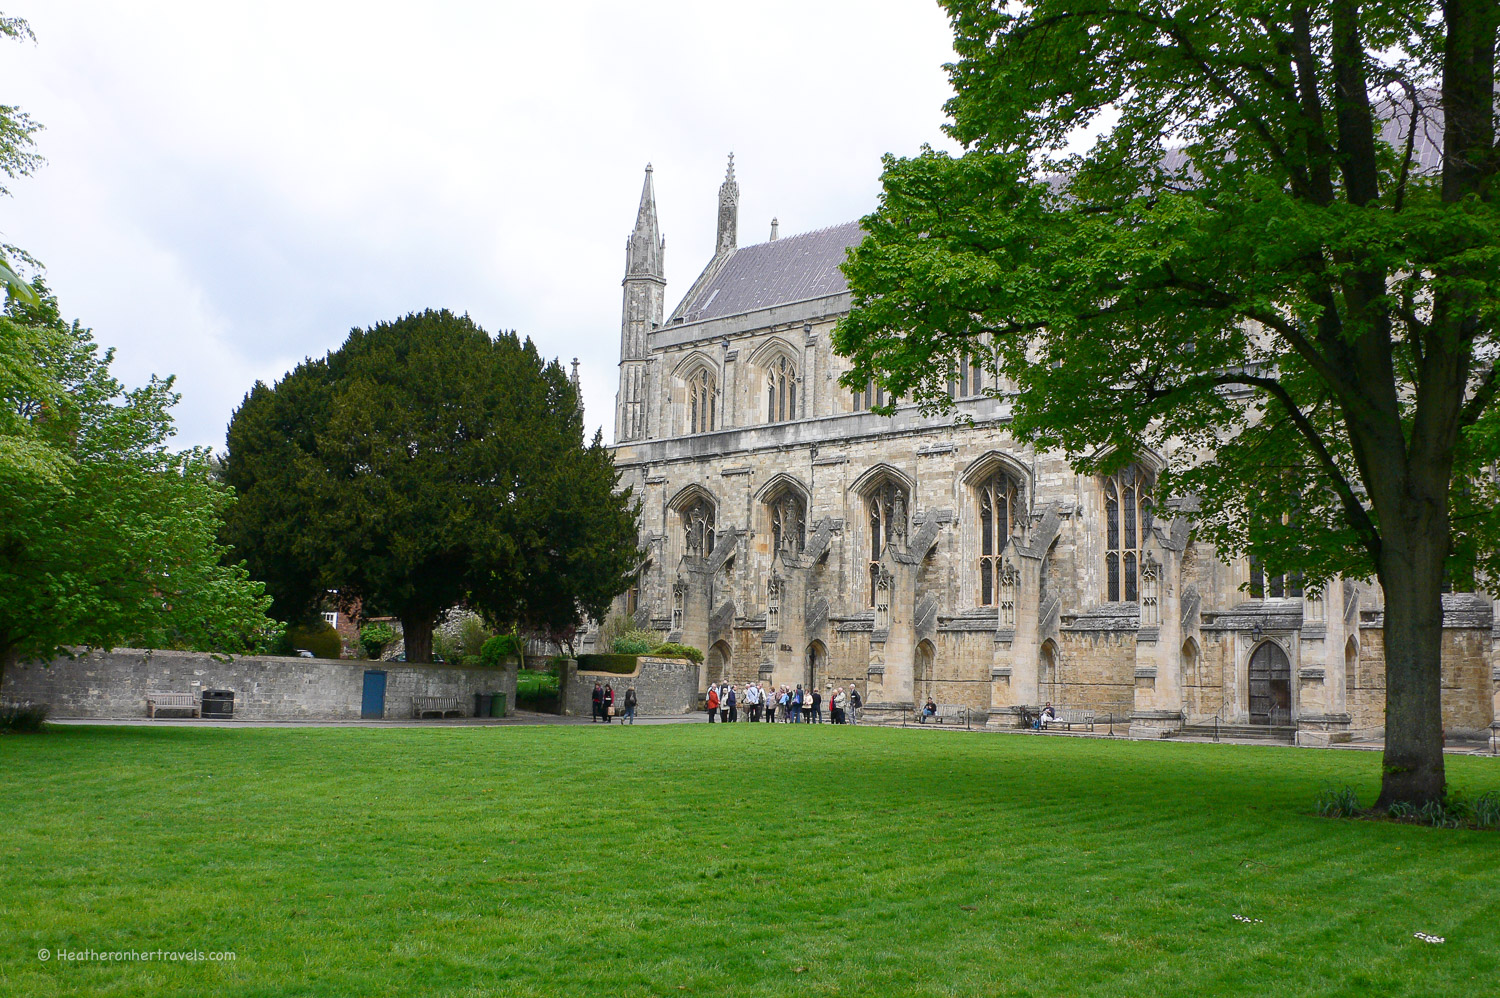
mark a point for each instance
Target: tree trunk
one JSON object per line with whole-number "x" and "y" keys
{"x": 1412, "y": 574}
{"x": 416, "y": 630}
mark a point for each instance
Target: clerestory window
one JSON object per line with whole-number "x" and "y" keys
{"x": 702, "y": 401}
{"x": 781, "y": 390}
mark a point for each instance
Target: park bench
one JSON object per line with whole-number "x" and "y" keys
{"x": 947, "y": 713}
{"x": 422, "y": 706}
{"x": 162, "y": 700}
{"x": 1069, "y": 716}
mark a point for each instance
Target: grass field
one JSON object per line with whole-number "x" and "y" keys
{"x": 743, "y": 859}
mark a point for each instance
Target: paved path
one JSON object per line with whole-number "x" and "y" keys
{"x": 514, "y": 719}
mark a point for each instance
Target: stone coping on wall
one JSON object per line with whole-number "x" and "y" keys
{"x": 635, "y": 673}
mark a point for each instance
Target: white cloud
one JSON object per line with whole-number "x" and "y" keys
{"x": 233, "y": 186}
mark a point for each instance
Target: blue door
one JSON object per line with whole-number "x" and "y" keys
{"x": 374, "y": 700}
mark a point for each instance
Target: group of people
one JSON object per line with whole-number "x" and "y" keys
{"x": 604, "y": 704}
{"x": 790, "y": 705}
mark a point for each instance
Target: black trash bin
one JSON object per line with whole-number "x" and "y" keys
{"x": 497, "y": 703}
{"x": 218, "y": 703}
{"x": 482, "y": 704}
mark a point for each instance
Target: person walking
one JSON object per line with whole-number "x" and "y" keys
{"x": 609, "y": 702}
{"x": 598, "y": 702}
{"x": 630, "y": 704}
{"x": 712, "y": 703}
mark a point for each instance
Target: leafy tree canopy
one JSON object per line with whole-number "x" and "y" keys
{"x": 426, "y": 465}
{"x": 18, "y": 156}
{"x": 107, "y": 536}
{"x": 1276, "y": 266}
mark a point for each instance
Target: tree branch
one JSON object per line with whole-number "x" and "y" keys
{"x": 1359, "y": 517}
{"x": 1484, "y": 394}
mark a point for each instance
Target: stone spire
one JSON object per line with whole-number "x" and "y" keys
{"x": 774, "y": 226}
{"x": 641, "y": 310}
{"x": 577, "y": 386}
{"x": 729, "y": 212}
{"x": 646, "y": 250}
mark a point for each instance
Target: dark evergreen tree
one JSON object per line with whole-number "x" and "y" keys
{"x": 426, "y": 465}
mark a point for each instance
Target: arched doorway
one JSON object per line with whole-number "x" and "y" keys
{"x": 1270, "y": 686}
{"x": 815, "y": 665}
{"x": 1046, "y": 672}
{"x": 1188, "y": 685}
{"x": 921, "y": 672}
{"x": 1351, "y": 674}
{"x": 716, "y": 665}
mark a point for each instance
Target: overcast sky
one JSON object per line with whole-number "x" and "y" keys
{"x": 232, "y": 186}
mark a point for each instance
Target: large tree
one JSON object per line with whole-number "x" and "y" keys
{"x": 107, "y": 535}
{"x": 18, "y": 158}
{"x": 1276, "y": 263}
{"x": 426, "y": 465}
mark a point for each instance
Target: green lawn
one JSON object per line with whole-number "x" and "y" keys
{"x": 745, "y": 859}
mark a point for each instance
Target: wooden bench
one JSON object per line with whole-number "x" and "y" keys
{"x": 436, "y": 707}
{"x": 162, "y": 700}
{"x": 946, "y": 713}
{"x": 1069, "y": 716}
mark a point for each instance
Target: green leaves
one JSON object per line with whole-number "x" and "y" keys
{"x": 1250, "y": 272}
{"x": 106, "y": 536}
{"x": 426, "y": 465}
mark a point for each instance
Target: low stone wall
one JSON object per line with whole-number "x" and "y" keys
{"x": 663, "y": 686}
{"x": 113, "y": 684}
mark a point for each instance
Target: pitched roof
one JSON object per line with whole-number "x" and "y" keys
{"x": 793, "y": 268}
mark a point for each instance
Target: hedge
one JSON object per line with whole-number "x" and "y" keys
{"x": 674, "y": 650}
{"x": 618, "y": 664}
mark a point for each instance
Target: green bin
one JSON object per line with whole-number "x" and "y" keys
{"x": 497, "y": 703}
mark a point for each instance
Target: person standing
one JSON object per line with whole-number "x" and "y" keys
{"x": 752, "y": 701}
{"x": 630, "y": 704}
{"x": 734, "y": 701}
{"x": 712, "y": 703}
{"x": 784, "y": 704}
{"x": 598, "y": 702}
{"x": 816, "y": 699}
{"x": 855, "y": 702}
{"x": 609, "y": 702}
{"x": 836, "y": 704}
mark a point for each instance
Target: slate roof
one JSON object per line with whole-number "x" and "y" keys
{"x": 793, "y": 268}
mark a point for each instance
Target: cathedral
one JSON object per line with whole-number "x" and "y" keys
{"x": 798, "y": 537}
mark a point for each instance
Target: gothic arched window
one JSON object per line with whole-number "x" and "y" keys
{"x": 781, "y": 390}
{"x": 967, "y": 379}
{"x": 1127, "y": 515}
{"x": 885, "y": 507}
{"x": 997, "y": 509}
{"x": 698, "y": 528}
{"x": 702, "y": 401}
{"x": 1278, "y": 585}
{"x": 788, "y": 521}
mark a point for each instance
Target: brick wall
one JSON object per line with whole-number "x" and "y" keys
{"x": 113, "y": 684}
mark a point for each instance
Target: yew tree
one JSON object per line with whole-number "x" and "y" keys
{"x": 1274, "y": 261}
{"x": 427, "y": 465}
